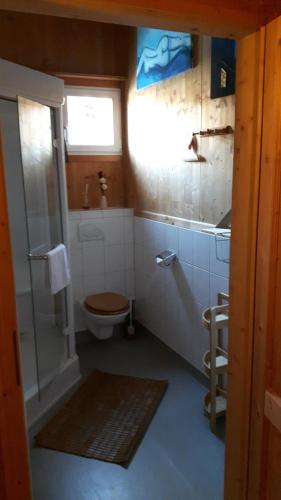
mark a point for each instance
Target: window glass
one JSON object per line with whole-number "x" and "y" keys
{"x": 90, "y": 121}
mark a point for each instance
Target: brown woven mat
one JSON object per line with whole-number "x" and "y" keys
{"x": 105, "y": 419}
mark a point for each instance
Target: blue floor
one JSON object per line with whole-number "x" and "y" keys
{"x": 178, "y": 459}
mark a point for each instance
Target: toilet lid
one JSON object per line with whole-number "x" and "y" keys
{"x": 106, "y": 303}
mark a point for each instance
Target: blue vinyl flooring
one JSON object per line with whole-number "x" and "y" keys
{"x": 178, "y": 458}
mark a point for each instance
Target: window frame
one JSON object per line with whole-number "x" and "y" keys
{"x": 112, "y": 93}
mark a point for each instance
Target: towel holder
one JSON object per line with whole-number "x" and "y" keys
{"x": 31, "y": 256}
{"x": 42, "y": 256}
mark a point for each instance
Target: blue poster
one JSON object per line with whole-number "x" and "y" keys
{"x": 161, "y": 54}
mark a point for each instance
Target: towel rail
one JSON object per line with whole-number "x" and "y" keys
{"x": 31, "y": 256}
{"x": 42, "y": 256}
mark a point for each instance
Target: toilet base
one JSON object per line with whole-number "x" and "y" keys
{"x": 101, "y": 326}
{"x": 102, "y": 332}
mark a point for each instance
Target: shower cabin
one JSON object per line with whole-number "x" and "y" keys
{"x": 31, "y": 133}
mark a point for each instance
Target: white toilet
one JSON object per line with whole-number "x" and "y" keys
{"x": 102, "y": 311}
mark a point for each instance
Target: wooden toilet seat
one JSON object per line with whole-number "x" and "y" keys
{"x": 106, "y": 303}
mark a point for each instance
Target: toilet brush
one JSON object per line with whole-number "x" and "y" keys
{"x": 131, "y": 328}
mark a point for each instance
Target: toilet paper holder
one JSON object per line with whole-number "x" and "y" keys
{"x": 166, "y": 258}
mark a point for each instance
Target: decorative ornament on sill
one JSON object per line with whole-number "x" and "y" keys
{"x": 103, "y": 188}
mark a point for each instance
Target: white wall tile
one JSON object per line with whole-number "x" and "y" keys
{"x": 93, "y": 283}
{"x": 75, "y": 259}
{"x": 154, "y": 235}
{"x": 79, "y": 321}
{"x": 185, "y": 245}
{"x": 172, "y": 238}
{"x": 219, "y": 254}
{"x": 201, "y": 250}
{"x": 130, "y": 283}
{"x": 128, "y": 228}
{"x": 129, "y": 257}
{"x": 184, "y": 281}
{"x": 91, "y": 214}
{"x": 138, "y": 256}
{"x": 114, "y": 258}
{"x": 93, "y": 258}
{"x": 77, "y": 287}
{"x": 201, "y": 286}
{"x": 115, "y": 282}
{"x": 113, "y": 212}
{"x": 73, "y": 233}
{"x": 74, "y": 215}
{"x": 128, "y": 212}
{"x": 138, "y": 230}
{"x": 114, "y": 231}
{"x": 149, "y": 265}
{"x": 217, "y": 284}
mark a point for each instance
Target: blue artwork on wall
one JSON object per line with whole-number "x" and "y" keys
{"x": 161, "y": 54}
{"x": 223, "y": 57}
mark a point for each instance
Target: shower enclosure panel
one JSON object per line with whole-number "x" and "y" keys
{"x": 44, "y": 230}
{"x": 31, "y": 128}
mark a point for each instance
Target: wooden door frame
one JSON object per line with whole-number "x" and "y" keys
{"x": 243, "y": 285}
{"x": 267, "y": 314}
{"x": 243, "y": 261}
{"x": 14, "y": 462}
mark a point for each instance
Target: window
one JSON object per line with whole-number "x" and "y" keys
{"x": 92, "y": 120}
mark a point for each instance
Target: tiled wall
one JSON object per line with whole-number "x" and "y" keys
{"x": 169, "y": 302}
{"x": 102, "y": 265}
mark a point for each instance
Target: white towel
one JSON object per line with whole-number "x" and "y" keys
{"x": 59, "y": 274}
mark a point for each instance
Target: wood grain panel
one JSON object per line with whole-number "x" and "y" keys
{"x": 53, "y": 44}
{"x": 161, "y": 120}
{"x": 80, "y": 170}
{"x": 265, "y": 451}
{"x": 224, "y": 18}
{"x": 246, "y": 180}
{"x": 14, "y": 467}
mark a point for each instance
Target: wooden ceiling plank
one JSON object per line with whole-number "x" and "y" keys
{"x": 210, "y": 17}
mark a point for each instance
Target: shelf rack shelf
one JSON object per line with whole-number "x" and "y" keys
{"x": 215, "y": 361}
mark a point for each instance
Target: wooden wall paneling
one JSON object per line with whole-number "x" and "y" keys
{"x": 14, "y": 467}
{"x": 223, "y": 18}
{"x": 79, "y": 168}
{"x": 216, "y": 172}
{"x": 265, "y": 464}
{"x": 161, "y": 119}
{"x": 54, "y": 44}
{"x": 248, "y": 126}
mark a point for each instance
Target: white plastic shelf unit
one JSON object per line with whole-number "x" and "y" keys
{"x": 215, "y": 361}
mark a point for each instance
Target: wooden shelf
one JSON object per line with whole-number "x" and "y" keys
{"x": 215, "y": 361}
{"x": 221, "y": 404}
{"x": 221, "y": 362}
{"x": 221, "y": 320}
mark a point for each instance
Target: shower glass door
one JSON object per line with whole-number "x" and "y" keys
{"x": 44, "y": 227}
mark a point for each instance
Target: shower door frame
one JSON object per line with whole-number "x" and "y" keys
{"x": 17, "y": 81}
{"x": 49, "y": 91}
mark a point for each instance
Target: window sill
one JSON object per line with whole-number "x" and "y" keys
{"x": 110, "y": 157}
